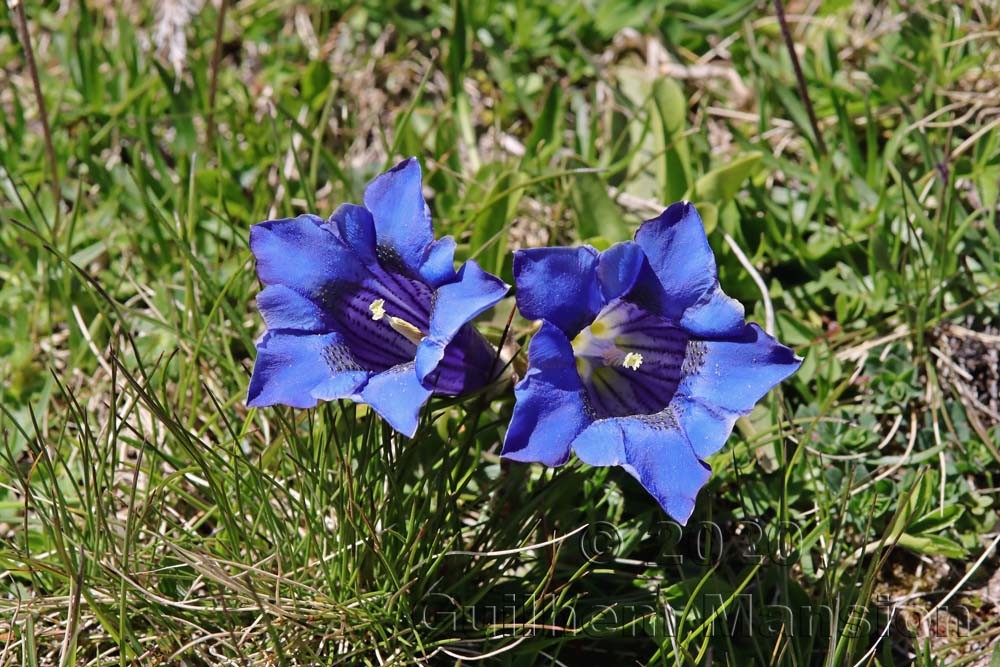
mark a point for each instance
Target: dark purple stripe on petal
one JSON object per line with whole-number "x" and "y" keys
{"x": 609, "y": 400}
{"x": 403, "y": 297}
{"x": 467, "y": 364}
{"x": 651, "y": 390}
{"x": 617, "y": 391}
{"x": 661, "y": 349}
{"x": 374, "y": 344}
{"x": 416, "y": 296}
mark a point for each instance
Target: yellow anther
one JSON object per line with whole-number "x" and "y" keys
{"x": 401, "y": 326}
{"x": 410, "y": 332}
{"x": 632, "y": 361}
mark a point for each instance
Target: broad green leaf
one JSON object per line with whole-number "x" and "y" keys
{"x": 620, "y": 142}
{"x": 671, "y": 108}
{"x": 988, "y": 185}
{"x": 612, "y": 16}
{"x": 489, "y": 233}
{"x": 721, "y": 184}
{"x": 709, "y": 213}
{"x": 315, "y": 80}
{"x": 932, "y": 545}
{"x": 596, "y": 213}
{"x": 546, "y": 135}
{"x": 458, "y": 50}
{"x": 936, "y": 520}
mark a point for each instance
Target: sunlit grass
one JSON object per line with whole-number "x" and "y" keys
{"x": 148, "y": 517}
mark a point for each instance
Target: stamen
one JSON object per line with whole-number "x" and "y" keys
{"x": 399, "y": 325}
{"x": 407, "y": 330}
{"x": 632, "y": 361}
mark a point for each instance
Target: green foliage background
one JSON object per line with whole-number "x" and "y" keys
{"x": 147, "y": 517}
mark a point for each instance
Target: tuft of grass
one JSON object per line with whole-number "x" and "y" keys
{"x": 148, "y": 517}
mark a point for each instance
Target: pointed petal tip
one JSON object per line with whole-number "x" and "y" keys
{"x": 735, "y": 373}
{"x": 679, "y": 508}
{"x": 780, "y": 354}
{"x": 527, "y": 456}
{"x": 680, "y": 502}
{"x": 401, "y": 216}
{"x": 253, "y": 398}
{"x": 677, "y": 211}
{"x": 406, "y": 163}
{"x": 678, "y": 252}
{"x": 410, "y": 432}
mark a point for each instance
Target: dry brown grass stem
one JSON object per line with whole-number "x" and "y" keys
{"x": 17, "y": 8}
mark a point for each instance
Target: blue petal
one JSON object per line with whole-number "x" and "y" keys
{"x": 284, "y": 308}
{"x": 735, "y": 374}
{"x": 402, "y": 219}
{"x": 551, "y": 409}
{"x": 715, "y": 315}
{"x": 619, "y": 268}
{"x": 678, "y": 252}
{"x": 398, "y": 396}
{"x": 439, "y": 264}
{"x": 345, "y": 384}
{"x": 296, "y": 370}
{"x": 654, "y": 450}
{"x": 301, "y": 253}
{"x": 455, "y": 304}
{"x": 707, "y": 426}
{"x": 558, "y": 285}
{"x": 468, "y": 364}
{"x": 357, "y": 229}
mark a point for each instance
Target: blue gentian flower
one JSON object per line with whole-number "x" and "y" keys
{"x": 368, "y": 306}
{"x": 641, "y": 360}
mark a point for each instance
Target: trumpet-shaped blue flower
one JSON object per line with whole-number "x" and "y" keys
{"x": 641, "y": 360}
{"x": 368, "y": 306}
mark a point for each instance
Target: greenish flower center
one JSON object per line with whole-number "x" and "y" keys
{"x": 599, "y": 346}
